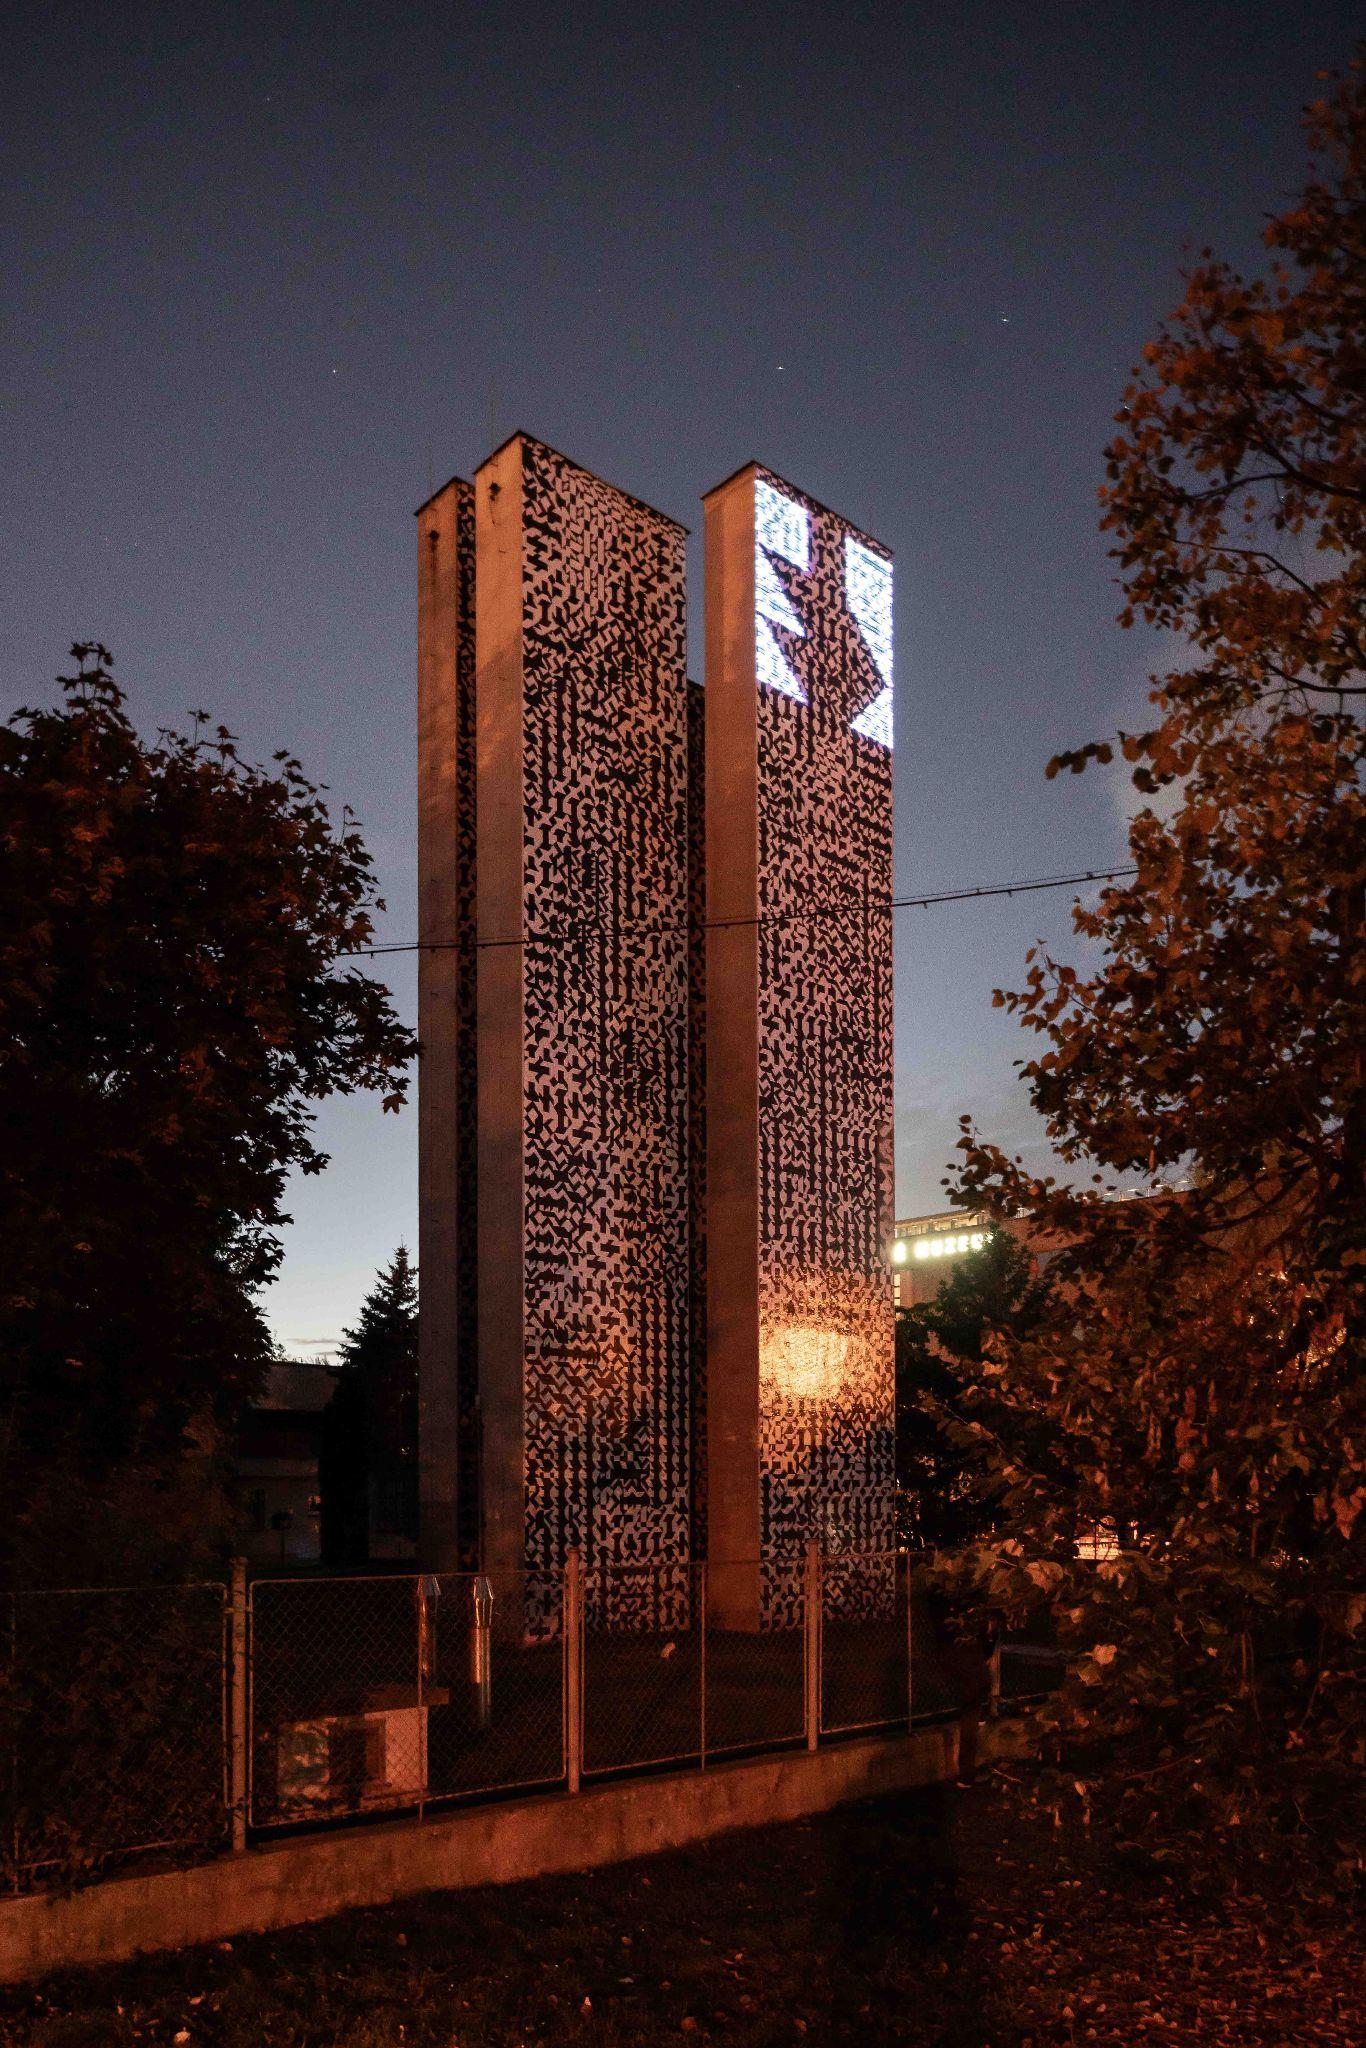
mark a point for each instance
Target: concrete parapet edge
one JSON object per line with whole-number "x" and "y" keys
{"x": 284, "y": 1884}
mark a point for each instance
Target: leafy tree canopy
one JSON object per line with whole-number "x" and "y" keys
{"x": 171, "y": 918}
{"x": 1202, "y": 1360}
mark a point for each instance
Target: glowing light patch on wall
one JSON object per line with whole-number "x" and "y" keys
{"x": 868, "y": 593}
{"x": 783, "y": 528}
{"x": 804, "y": 1362}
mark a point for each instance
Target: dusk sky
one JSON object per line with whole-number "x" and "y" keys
{"x": 272, "y": 272}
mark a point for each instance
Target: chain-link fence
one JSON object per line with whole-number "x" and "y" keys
{"x": 643, "y": 1662}
{"x": 757, "y": 1654}
{"x": 495, "y": 1664}
{"x": 172, "y": 1718}
{"x": 865, "y": 1641}
{"x": 112, "y": 1727}
{"x": 338, "y": 1713}
{"x": 682, "y": 1662}
{"x": 376, "y": 1694}
{"x": 936, "y": 1686}
{"x": 1030, "y": 1663}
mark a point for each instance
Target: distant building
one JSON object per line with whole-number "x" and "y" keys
{"x": 277, "y": 1463}
{"x": 925, "y": 1247}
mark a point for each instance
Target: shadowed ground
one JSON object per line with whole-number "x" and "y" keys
{"x": 931, "y": 1920}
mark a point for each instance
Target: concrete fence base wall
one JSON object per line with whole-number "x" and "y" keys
{"x": 283, "y": 1884}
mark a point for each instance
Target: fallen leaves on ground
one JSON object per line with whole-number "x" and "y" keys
{"x": 925, "y": 1921}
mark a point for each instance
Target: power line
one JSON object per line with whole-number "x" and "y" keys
{"x": 1028, "y": 887}
{"x": 1012, "y": 888}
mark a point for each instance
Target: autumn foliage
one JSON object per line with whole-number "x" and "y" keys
{"x": 1197, "y": 1382}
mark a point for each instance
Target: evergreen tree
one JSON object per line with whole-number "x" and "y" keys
{"x": 941, "y": 1393}
{"x": 369, "y": 1462}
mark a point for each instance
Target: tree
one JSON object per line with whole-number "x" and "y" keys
{"x": 370, "y": 1448}
{"x": 939, "y": 1350}
{"x": 171, "y": 1006}
{"x": 1202, "y": 1357}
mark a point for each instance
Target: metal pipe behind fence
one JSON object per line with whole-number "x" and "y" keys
{"x": 237, "y": 1703}
{"x": 481, "y": 1650}
{"x": 14, "y": 1751}
{"x": 573, "y": 1668}
{"x": 811, "y": 1660}
{"x": 701, "y": 1592}
{"x": 426, "y": 1598}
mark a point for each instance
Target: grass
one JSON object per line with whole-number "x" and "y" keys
{"x": 932, "y": 1920}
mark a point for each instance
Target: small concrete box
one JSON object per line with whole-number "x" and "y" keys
{"x": 336, "y": 1764}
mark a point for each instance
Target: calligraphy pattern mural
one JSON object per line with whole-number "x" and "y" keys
{"x": 823, "y": 661}
{"x": 605, "y": 1024}
{"x": 466, "y": 1045}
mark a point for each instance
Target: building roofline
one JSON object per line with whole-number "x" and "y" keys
{"x": 521, "y": 434}
{"x": 816, "y": 504}
{"x": 440, "y": 492}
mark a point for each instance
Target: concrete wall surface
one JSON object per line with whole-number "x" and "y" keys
{"x": 283, "y": 1884}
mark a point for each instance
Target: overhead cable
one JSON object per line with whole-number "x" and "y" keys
{"x": 570, "y": 934}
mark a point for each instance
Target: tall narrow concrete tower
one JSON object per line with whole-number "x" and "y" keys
{"x": 582, "y": 713}
{"x": 633, "y": 1127}
{"x": 447, "y": 1137}
{"x": 799, "y": 1034}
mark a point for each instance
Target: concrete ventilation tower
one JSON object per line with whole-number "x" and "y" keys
{"x": 629, "y": 1124}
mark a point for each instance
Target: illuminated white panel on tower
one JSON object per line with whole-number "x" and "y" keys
{"x": 868, "y": 593}
{"x": 782, "y": 528}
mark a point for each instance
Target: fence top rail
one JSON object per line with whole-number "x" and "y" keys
{"x": 654, "y": 1568}
{"x": 348, "y": 1579}
{"x": 787, "y": 1560}
{"x": 878, "y": 1556}
{"x": 148, "y": 1586}
{"x": 500, "y": 1575}
{"x": 793, "y": 1556}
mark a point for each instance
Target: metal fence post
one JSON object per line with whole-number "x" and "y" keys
{"x": 14, "y": 1750}
{"x": 238, "y": 1678}
{"x": 573, "y": 1667}
{"x": 424, "y": 1650}
{"x": 812, "y": 1658}
{"x": 910, "y": 1643}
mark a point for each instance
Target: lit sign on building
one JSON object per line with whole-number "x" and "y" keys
{"x": 942, "y": 1247}
{"x": 922, "y": 1243}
